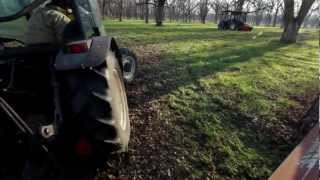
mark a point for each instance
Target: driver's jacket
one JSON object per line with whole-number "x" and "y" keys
{"x": 46, "y": 25}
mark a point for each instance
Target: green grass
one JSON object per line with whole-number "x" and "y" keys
{"x": 235, "y": 93}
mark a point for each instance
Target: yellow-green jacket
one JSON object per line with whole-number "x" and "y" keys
{"x": 46, "y": 25}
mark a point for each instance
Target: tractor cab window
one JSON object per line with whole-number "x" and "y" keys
{"x": 90, "y": 17}
{"x": 12, "y": 7}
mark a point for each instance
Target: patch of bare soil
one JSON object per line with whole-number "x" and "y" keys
{"x": 294, "y": 123}
{"x": 299, "y": 121}
{"x": 311, "y": 117}
{"x": 154, "y": 151}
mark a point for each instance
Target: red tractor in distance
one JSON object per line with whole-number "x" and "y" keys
{"x": 234, "y": 20}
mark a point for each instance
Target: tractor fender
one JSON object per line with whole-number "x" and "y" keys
{"x": 100, "y": 47}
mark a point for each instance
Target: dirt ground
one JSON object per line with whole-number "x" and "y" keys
{"x": 154, "y": 151}
{"x": 157, "y": 149}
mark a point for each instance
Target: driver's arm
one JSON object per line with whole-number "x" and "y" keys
{"x": 57, "y": 21}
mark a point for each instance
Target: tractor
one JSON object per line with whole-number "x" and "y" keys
{"x": 61, "y": 106}
{"x": 234, "y": 20}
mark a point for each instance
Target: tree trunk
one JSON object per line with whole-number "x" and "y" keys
{"x": 216, "y": 17}
{"x": 120, "y": 10}
{"x": 216, "y": 13}
{"x": 258, "y": 18}
{"x": 146, "y": 15}
{"x": 203, "y": 11}
{"x": 203, "y": 20}
{"x": 291, "y": 23}
{"x": 142, "y": 10}
{"x": 275, "y": 17}
{"x": 103, "y": 9}
{"x": 290, "y": 33}
{"x": 159, "y": 13}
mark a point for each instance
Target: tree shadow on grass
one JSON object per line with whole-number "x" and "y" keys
{"x": 186, "y": 68}
{"x": 183, "y": 68}
{"x": 163, "y": 73}
{"x": 197, "y": 55}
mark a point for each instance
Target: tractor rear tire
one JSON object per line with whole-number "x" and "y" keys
{"x": 99, "y": 104}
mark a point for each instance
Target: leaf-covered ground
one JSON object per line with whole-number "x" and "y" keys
{"x": 213, "y": 104}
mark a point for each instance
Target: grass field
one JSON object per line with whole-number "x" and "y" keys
{"x": 224, "y": 105}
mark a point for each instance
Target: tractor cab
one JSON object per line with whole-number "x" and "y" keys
{"x": 234, "y": 20}
{"x": 14, "y": 18}
{"x": 79, "y": 40}
{"x": 86, "y": 22}
{"x": 79, "y": 34}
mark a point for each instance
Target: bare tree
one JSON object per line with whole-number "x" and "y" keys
{"x": 120, "y": 10}
{"x": 146, "y": 13}
{"x": 258, "y": 12}
{"x": 291, "y": 22}
{"x": 141, "y": 4}
{"x": 239, "y": 5}
{"x": 204, "y": 9}
{"x": 278, "y": 6}
{"x": 270, "y": 5}
{"x": 145, "y": 6}
{"x": 218, "y": 6}
{"x": 307, "y": 19}
{"x": 263, "y": 12}
{"x": 103, "y": 8}
{"x": 191, "y": 7}
{"x": 172, "y": 9}
{"x": 159, "y": 11}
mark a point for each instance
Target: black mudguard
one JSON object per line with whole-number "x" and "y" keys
{"x": 95, "y": 57}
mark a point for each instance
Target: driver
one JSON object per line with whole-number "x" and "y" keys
{"x": 46, "y": 25}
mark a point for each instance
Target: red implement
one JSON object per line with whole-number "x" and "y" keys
{"x": 303, "y": 162}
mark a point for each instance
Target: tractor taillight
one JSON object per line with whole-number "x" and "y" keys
{"x": 78, "y": 47}
{"x": 83, "y": 147}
